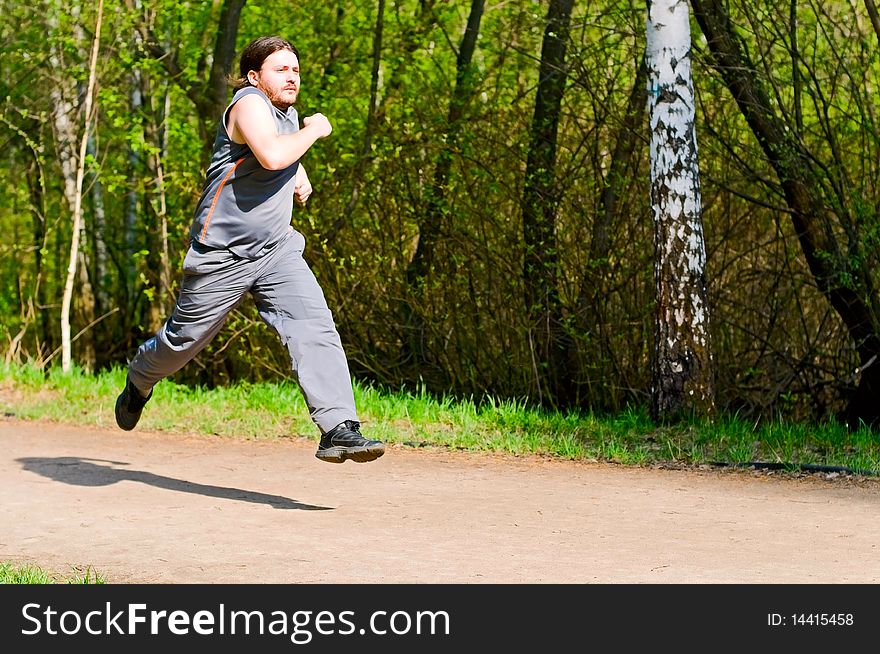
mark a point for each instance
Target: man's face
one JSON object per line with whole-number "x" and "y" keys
{"x": 278, "y": 78}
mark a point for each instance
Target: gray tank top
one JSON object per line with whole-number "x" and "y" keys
{"x": 244, "y": 207}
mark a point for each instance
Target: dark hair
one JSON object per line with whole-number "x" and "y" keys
{"x": 255, "y": 53}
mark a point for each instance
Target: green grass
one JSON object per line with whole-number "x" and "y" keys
{"x": 417, "y": 419}
{"x": 11, "y": 573}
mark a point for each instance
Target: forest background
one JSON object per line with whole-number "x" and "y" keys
{"x": 422, "y": 226}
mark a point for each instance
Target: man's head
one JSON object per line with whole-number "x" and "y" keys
{"x": 271, "y": 64}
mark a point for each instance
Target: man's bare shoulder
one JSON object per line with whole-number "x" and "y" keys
{"x": 247, "y": 114}
{"x": 250, "y": 103}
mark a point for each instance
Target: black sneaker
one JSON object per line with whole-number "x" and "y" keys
{"x": 345, "y": 441}
{"x": 129, "y": 405}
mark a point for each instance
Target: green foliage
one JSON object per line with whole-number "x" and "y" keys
{"x": 780, "y": 349}
{"x": 11, "y": 573}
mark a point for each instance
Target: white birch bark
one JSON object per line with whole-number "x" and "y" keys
{"x": 683, "y": 376}
{"x": 162, "y": 210}
{"x": 100, "y": 227}
{"x": 77, "y": 207}
{"x": 63, "y": 94}
{"x": 131, "y": 203}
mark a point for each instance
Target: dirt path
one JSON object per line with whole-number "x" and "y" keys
{"x": 160, "y": 508}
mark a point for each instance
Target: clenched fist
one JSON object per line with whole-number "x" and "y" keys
{"x": 319, "y": 123}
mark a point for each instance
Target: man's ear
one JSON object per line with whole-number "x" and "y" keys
{"x": 252, "y": 77}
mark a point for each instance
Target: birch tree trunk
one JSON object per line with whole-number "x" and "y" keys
{"x": 102, "y": 299}
{"x": 683, "y": 379}
{"x": 166, "y": 300}
{"x": 131, "y": 196}
{"x": 77, "y": 208}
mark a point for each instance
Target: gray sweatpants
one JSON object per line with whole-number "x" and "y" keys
{"x": 288, "y": 298}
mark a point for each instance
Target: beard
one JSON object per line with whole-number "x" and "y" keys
{"x": 283, "y": 98}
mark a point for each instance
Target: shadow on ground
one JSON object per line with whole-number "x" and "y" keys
{"x": 98, "y": 472}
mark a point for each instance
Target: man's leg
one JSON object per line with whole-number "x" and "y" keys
{"x": 290, "y": 300}
{"x": 214, "y": 281}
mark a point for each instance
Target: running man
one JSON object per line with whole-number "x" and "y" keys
{"x": 242, "y": 241}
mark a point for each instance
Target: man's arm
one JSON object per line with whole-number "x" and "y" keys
{"x": 303, "y": 187}
{"x": 251, "y": 122}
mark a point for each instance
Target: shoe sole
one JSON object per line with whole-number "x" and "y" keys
{"x": 357, "y": 454}
{"x": 122, "y": 414}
